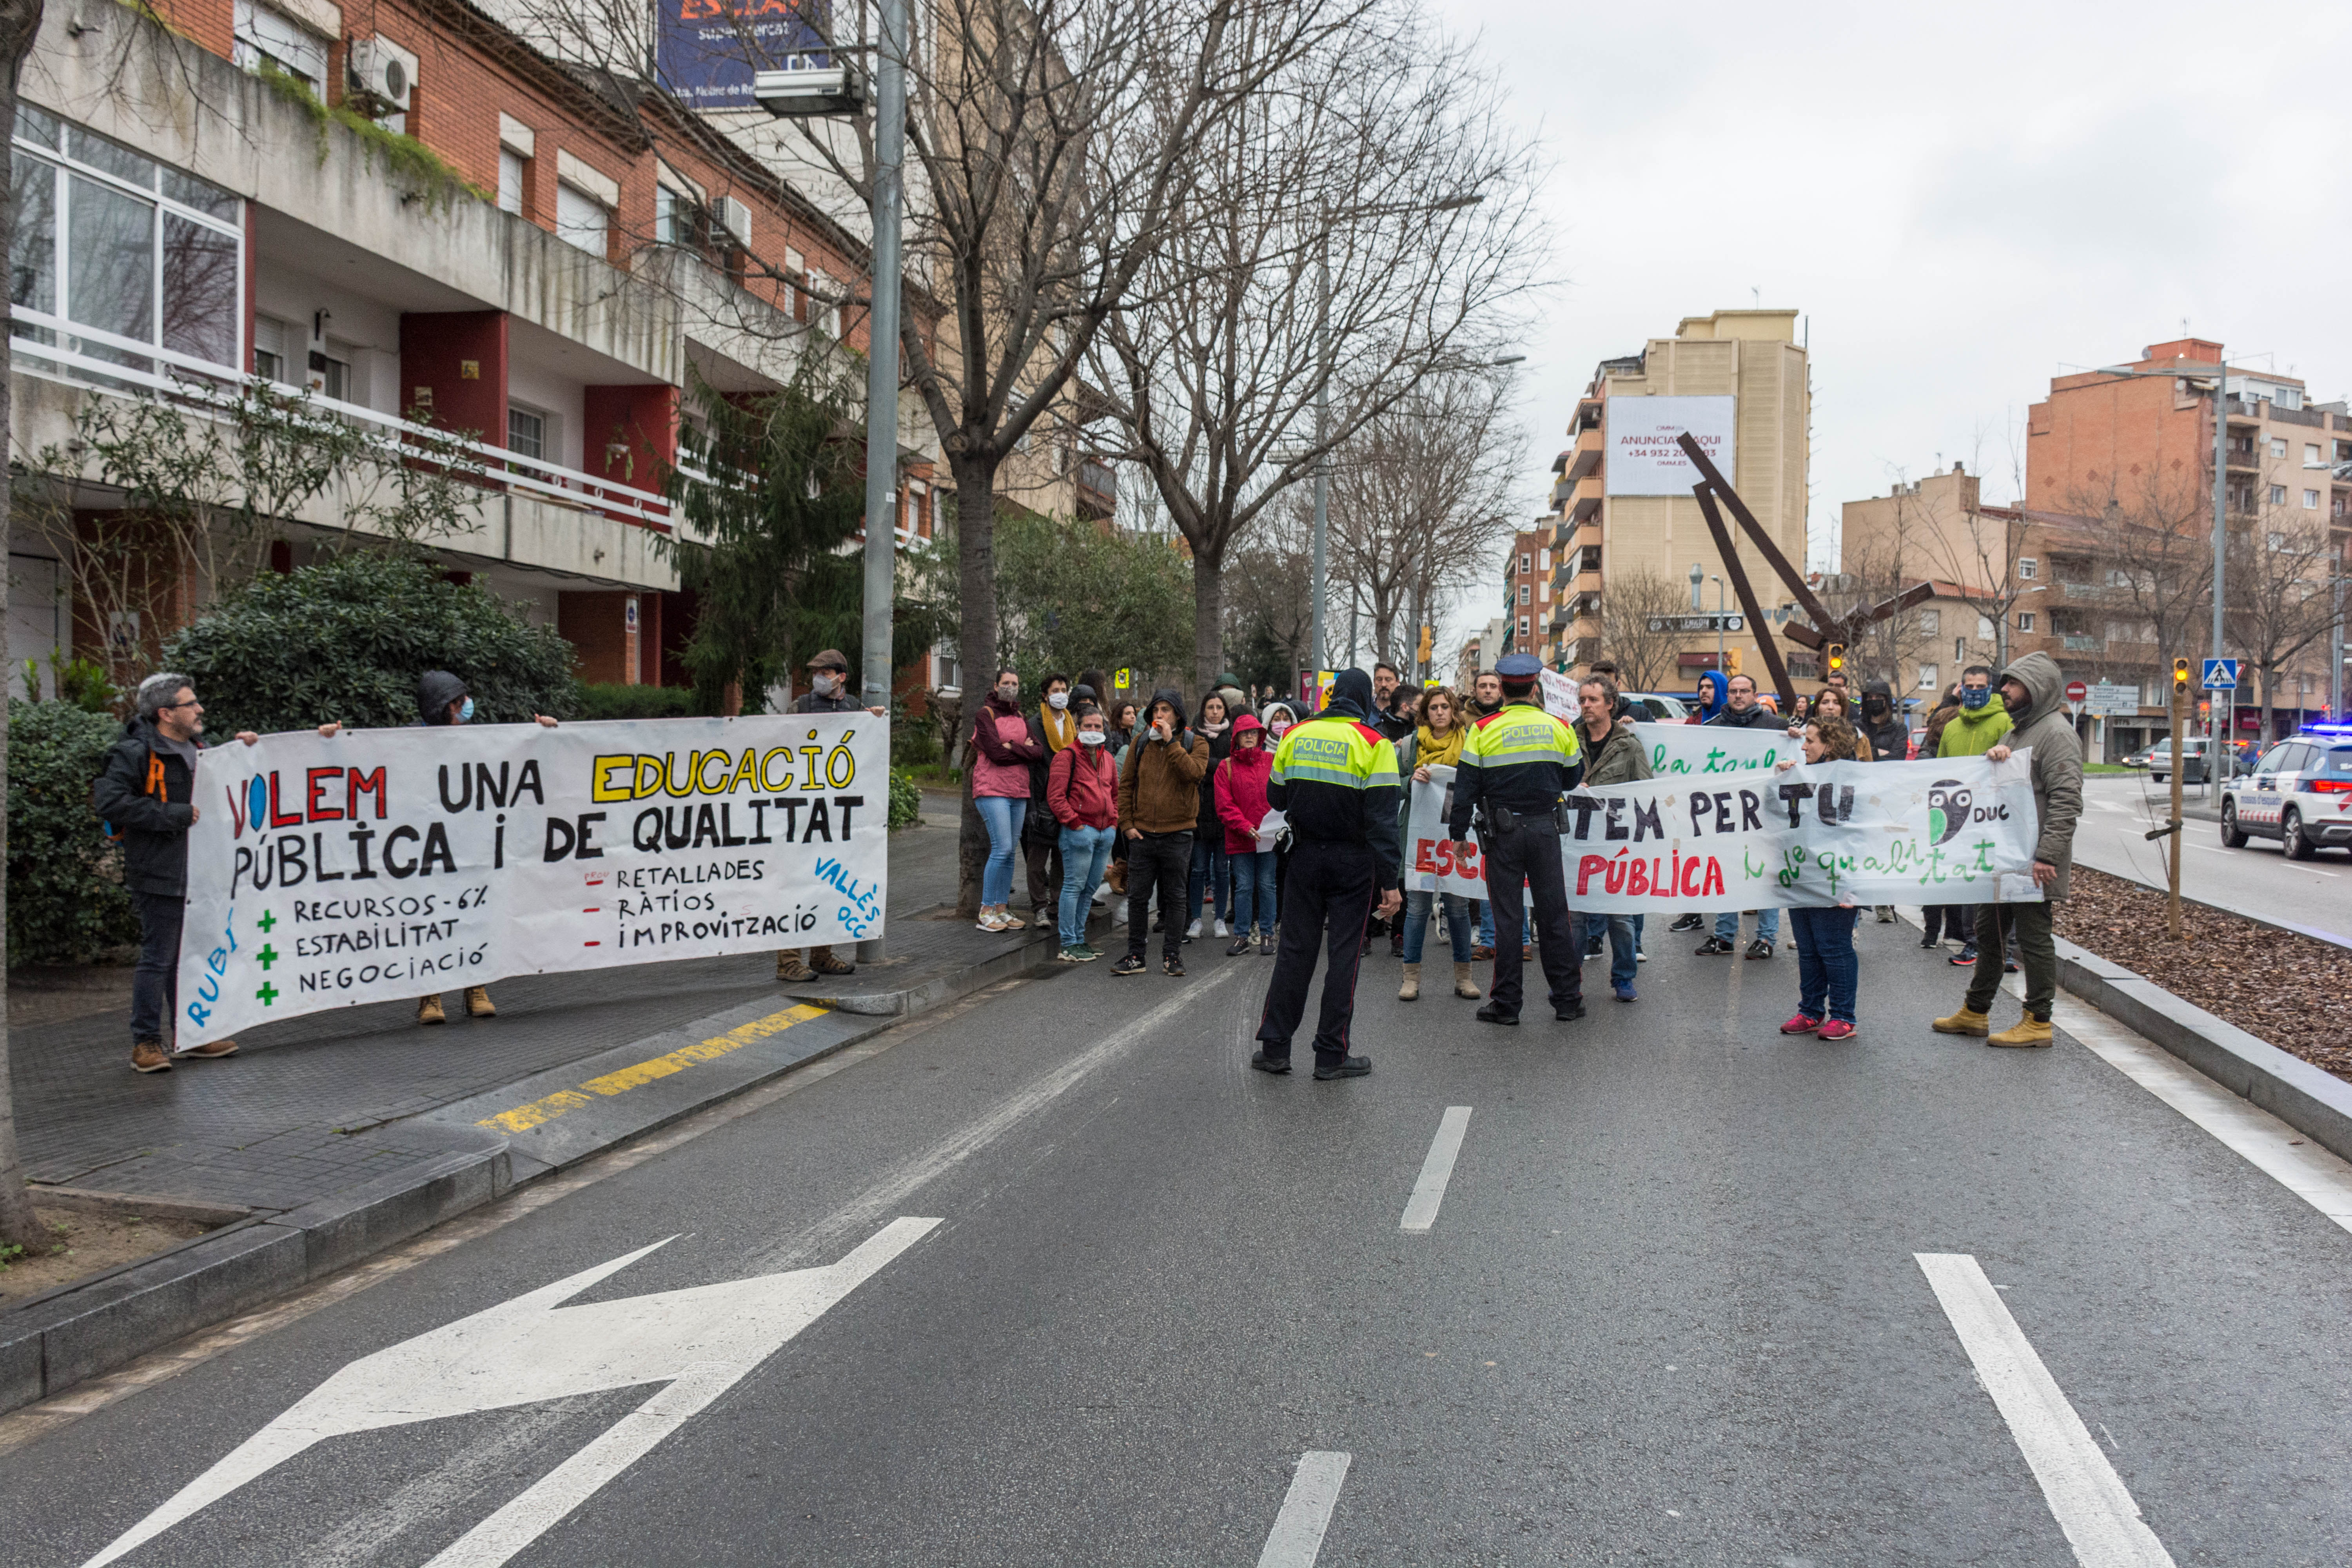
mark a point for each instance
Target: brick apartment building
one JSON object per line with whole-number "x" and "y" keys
{"x": 1527, "y": 589}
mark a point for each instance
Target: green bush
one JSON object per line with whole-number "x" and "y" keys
{"x": 347, "y": 638}
{"x": 906, "y": 798}
{"x": 611, "y": 699}
{"x": 914, "y": 742}
{"x": 67, "y": 903}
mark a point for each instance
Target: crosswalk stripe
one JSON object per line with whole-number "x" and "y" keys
{"x": 1297, "y": 1537}
{"x": 1421, "y": 1209}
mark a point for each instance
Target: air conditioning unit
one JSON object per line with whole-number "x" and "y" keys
{"x": 384, "y": 70}
{"x": 833, "y": 89}
{"x": 735, "y": 218}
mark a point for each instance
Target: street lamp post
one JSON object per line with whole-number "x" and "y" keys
{"x": 1718, "y": 621}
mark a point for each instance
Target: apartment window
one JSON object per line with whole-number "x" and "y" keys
{"x": 2278, "y": 495}
{"x": 1523, "y": 625}
{"x": 1543, "y": 559}
{"x": 1926, "y": 678}
{"x": 526, "y": 431}
{"x": 1523, "y": 561}
{"x": 1931, "y": 623}
{"x": 275, "y": 349}
{"x": 269, "y": 36}
{"x": 1523, "y": 593}
{"x": 2311, "y": 501}
{"x": 510, "y": 164}
{"x": 2025, "y": 621}
{"x": 2155, "y": 694}
{"x": 335, "y": 377}
{"x": 1959, "y": 650}
{"x": 2028, "y": 568}
{"x": 2278, "y": 446}
{"x": 824, "y": 305}
{"x": 581, "y": 220}
{"x": 2311, "y": 457}
{"x": 145, "y": 253}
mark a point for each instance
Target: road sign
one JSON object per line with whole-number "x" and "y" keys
{"x": 1123, "y": 679}
{"x": 2077, "y": 692}
{"x": 1699, "y": 622}
{"x": 2107, "y": 699}
{"x": 2220, "y": 675}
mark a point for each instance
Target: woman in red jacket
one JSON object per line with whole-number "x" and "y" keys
{"x": 1240, "y": 784}
{"x": 1082, "y": 792}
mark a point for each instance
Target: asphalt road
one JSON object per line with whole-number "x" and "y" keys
{"x": 1669, "y": 1307}
{"x": 2119, "y": 809}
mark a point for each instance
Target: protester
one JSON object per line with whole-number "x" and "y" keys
{"x": 1980, "y": 724}
{"x": 1436, "y": 743}
{"x": 1403, "y": 730}
{"x": 1828, "y": 972}
{"x": 1334, "y": 778}
{"x": 1051, "y": 729}
{"x": 1209, "y": 868}
{"x": 1486, "y": 695}
{"x": 1885, "y": 737}
{"x": 1387, "y": 681}
{"x": 828, "y": 692}
{"x": 1241, "y": 782}
{"x": 2033, "y": 691}
{"x": 1119, "y": 733}
{"x": 1082, "y": 792}
{"x": 1516, "y": 765}
{"x": 146, "y": 795}
{"x": 1159, "y": 810}
{"x": 1740, "y": 711}
{"x": 1712, "y": 701}
{"x": 1614, "y": 755}
{"x": 1002, "y": 751}
{"x": 1278, "y": 717}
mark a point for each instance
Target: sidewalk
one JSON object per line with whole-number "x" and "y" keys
{"x": 338, "y": 1133}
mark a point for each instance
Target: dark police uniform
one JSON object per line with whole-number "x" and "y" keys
{"x": 1516, "y": 763}
{"x": 1335, "y": 780}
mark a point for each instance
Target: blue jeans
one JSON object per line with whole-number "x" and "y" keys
{"x": 1827, "y": 969}
{"x": 1085, "y": 852}
{"x": 1252, "y": 881}
{"x": 1457, "y": 924}
{"x": 1768, "y": 925}
{"x": 1004, "y": 814}
{"x": 1209, "y": 873}
{"x": 1486, "y": 920}
{"x": 1624, "y": 943}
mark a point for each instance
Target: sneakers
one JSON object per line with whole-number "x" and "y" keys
{"x": 1089, "y": 951}
{"x": 1837, "y": 1029}
{"x": 1625, "y": 992}
{"x": 478, "y": 1004}
{"x": 1569, "y": 1014}
{"x": 992, "y": 919}
{"x": 1265, "y": 946}
{"x": 147, "y": 1056}
{"x": 1174, "y": 968}
{"x": 792, "y": 972}
{"x": 1131, "y": 965}
{"x": 428, "y": 1010}
{"x": 1480, "y": 953}
{"x": 1492, "y": 1012}
{"x": 1801, "y": 1024}
{"x": 1966, "y": 958}
{"x": 1070, "y": 955}
{"x": 1929, "y": 941}
{"x": 1346, "y": 1067}
{"x": 1193, "y": 930}
{"x": 1011, "y": 921}
{"x": 1240, "y": 944}
{"x": 212, "y": 1052}
{"x": 1714, "y": 947}
{"x": 1688, "y": 922}
{"x": 1641, "y": 955}
{"x": 1759, "y": 948}
{"x": 1223, "y": 930}
{"x": 1264, "y": 1063}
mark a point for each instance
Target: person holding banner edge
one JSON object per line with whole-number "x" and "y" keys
{"x": 1740, "y": 711}
{"x": 1828, "y": 971}
{"x": 1517, "y": 763}
{"x": 1436, "y": 743}
{"x": 828, "y": 692}
{"x": 1614, "y": 755}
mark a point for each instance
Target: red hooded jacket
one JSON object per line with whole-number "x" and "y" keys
{"x": 1082, "y": 787}
{"x": 1241, "y": 783}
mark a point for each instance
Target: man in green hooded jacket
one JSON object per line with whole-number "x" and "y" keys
{"x": 1980, "y": 725}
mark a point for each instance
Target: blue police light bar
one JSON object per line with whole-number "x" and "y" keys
{"x": 2341, "y": 729}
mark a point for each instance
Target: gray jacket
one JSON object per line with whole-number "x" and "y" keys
{"x": 2057, "y": 761}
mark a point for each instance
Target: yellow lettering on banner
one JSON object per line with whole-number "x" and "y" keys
{"x": 648, "y": 787}
{"x": 746, "y": 772}
{"x": 604, "y": 789}
{"x": 703, "y": 761}
{"x": 523, "y": 1118}
{"x": 776, "y": 785}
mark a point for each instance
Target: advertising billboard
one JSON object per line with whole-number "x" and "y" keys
{"x": 1642, "y": 455}
{"x": 711, "y": 49}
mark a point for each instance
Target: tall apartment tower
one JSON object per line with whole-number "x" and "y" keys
{"x": 1626, "y": 519}
{"x": 1528, "y": 589}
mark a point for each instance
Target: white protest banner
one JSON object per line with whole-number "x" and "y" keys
{"x": 1430, "y": 864}
{"x": 384, "y": 864}
{"x": 1711, "y": 749}
{"x": 1958, "y": 830}
{"x": 1558, "y": 694}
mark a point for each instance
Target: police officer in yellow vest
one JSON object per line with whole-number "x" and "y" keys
{"x": 1335, "y": 780}
{"x": 1515, "y": 765}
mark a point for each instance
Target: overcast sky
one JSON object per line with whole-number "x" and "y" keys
{"x": 1962, "y": 202}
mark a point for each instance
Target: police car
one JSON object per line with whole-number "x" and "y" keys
{"x": 2300, "y": 793}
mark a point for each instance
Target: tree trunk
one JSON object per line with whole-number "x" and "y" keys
{"x": 975, "y": 651}
{"x": 20, "y": 20}
{"x": 1208, "y": 617}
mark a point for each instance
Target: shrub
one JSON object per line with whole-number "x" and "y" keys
{"x": 67, "y": 903}
{"x": 347, "y": 638}
{"x": 906, "y": 798}
{"x": 611, "y": 699}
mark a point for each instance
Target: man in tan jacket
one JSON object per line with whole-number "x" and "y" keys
{"x": 1159, "y": 803}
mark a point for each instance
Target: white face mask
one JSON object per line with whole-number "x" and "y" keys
{"x": 1058, "y": 701}
{"x": 826, "y": 685}
{"x": 1091, "y": 737}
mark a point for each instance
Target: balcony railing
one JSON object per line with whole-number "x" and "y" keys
{"x": 2080, "y": 642}
{"x": 201, "y": 384}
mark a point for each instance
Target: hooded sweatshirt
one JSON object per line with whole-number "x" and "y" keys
{"x": 1159, "y": 783}
{"x": 1971, "y": 733}
{"x": 1712, "y": 689}
{"x": 1883, "y": 731}
{"x": 2041, "y": 723}
{"x": 1241, "y": 781}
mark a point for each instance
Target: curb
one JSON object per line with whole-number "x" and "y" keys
{"x": 2314, "y": 1103}
{"x": 82, "y": 1331}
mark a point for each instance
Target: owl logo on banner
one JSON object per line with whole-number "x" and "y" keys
{"x": 1948, "y": 803}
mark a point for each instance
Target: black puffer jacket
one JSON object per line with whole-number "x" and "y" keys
{"x": 146, "y": 791}
{"x": 1885, "y": 732}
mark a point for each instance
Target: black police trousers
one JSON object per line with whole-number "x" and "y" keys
{"x": 1326, "y": 901}
{"x": 1526, "y": 853}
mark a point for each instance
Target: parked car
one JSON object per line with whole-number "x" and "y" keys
{"x": 2158, "y": 758}
{"x": 1663, "y": 710}
{"x": 2300, "y": 793}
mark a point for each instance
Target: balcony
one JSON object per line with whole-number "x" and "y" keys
{"x": 1560, "y": 491}
{"x": 2080, "y": 642}
{"x": 1097, "y": 485}
{"x": 1585, "y": 457}
{"x": 1586, "y": 505}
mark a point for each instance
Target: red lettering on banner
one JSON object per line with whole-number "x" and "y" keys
{"x": 1714, "y": 877}
{"x": 1686, "y": 880}
{"x": 319, "y": 778}
{"x": 1637, "y": 880}
{"x": 279, "y": 818}
{"x": 1420, "y": 860}
{"x": 1592, "y": 866}
{"x": 1466, "y": 862}
{"x": 1613, "y": 882}
{"x": 365, "y": 783}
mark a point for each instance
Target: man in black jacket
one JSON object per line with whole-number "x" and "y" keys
{"x": 147, "y": 796}
{"x": 1742, "y": 711}
{"x": 828, "y": 692}
{"x": 1888, "y": 738}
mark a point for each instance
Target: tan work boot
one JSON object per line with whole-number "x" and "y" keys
{"x": 147, "y": 1056}
{"x": 1967, "y": 1021}
{"x": 1463, "y": 987}
{"x": 478, "y": 1004}
{"x": 788, "y": 967}
{"x": 428, "y": 1010}
{"x": 821, "y": 961}
{"x": 207, "y": 1053}
{"x": 1410, "y": 990}
{"x": 2029, "y": 1033}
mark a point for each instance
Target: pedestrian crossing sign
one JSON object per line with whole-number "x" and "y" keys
{"x": 1124, "y": 679}
{"x": 2220, "y": 675}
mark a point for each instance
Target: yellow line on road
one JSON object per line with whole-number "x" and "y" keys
{"x": 523, "y": 1118}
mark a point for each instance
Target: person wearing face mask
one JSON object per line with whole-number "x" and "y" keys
{"x": 1158, "y": 806}
{"x": 1278, "y": 716}
{"x": 1885, "y": 737}
{"x": 828, "y": 692}
{"x": 1209, "y": 867}
{"x": 1239, "y": 783}
{"x": 1082, "y": 792}
{"x": 1001, "y": 753}
{"x": 1053, "y": 729}
{"x": 1982, "y": 723}
{"x": 442, "y": 699}
{"x": 1828, "y": 972}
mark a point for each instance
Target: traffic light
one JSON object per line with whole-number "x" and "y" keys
{"x": 1837, "y": 658}
{"x": 2180, "y": 677}
{"x": 1428, "y": 636}
{"x": 1730, "y": 661}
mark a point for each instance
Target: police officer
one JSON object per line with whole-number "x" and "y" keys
{"x": 1335, "y": 779}
{"x": 1516, "y": 763}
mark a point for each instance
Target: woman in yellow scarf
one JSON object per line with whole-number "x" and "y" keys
{"x": 1436, "y": 743}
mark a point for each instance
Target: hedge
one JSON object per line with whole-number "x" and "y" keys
{"x": 67, "y": 903}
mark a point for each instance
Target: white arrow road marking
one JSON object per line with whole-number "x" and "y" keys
{"x": 1297, "y": 1538}
{"x": 699, "y": 1342}
{"x": 2089, "y": 1499}
{"x": 1421, "y": 1209}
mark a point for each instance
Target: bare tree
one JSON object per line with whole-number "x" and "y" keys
{"x": 1359, "y": 227}
{"x": 1630, "y": 602}
{"x": 1269, "y": 603}
{"x": 2154, "y": 568}
{"x": 2282, "y": 598}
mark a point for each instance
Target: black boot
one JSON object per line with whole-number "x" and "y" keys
{"x": 1493, "y": 1013}
{"x": 1264, "y": 1063}
{"x": 1346, "y": 1067}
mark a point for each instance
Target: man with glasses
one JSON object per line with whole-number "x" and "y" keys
{"x": 146, "y": 796}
